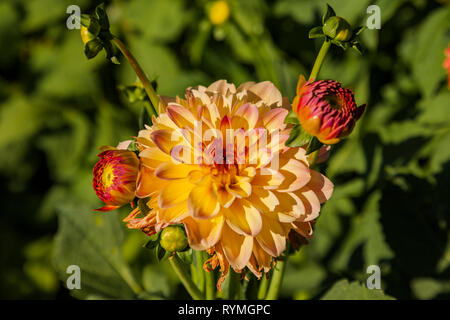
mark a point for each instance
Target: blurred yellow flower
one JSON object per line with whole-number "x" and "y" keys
{"x": 219, "y": 12}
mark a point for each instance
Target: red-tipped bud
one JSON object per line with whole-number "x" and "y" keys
{"x": 115, "y": 177}
{"x": 326, "y": 110}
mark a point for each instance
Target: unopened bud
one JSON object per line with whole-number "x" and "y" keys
{"x": 337, "y": 28}
{"x": 173, "y": 239}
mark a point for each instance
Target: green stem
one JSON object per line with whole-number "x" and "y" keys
{"x": 319, "y": 59}
{"x": 263, "y": 285}
{"x": 190, "y": 286}
{"x": 198, "y": 269}
{"x": 277, "y": 279}
{"x": 210, "y": 282}
{"x": 233, "y": 285}
{"x": 141, "y": 75}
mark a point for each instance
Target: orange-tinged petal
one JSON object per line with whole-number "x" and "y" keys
{"x": 181, "y": 116}
{"x": 166, "y": 139}
{"x": 202, "y": 201}
{"x": 203, "y": 233}
{"x": 272, "y": 237}
{"x": 237, "y": 248}
{"x": 243, "y": 218}
{"x": 152, "y": 157}
{"x": 268, "y": 178}
{"x": 264, "y": 260}
{"x": 173, "y": 214}
{"x": 147, "y": 183}
{"x": 174, "y": 193}
{"x": 241, "y": 189}
{"x": 169, "y": 170}
{"x": 224, "y": 197}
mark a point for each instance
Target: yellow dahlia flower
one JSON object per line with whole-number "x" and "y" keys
{"x": 199, "y": 168}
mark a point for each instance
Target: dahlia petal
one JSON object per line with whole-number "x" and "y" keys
{"x": 174, "y": 193}
{"x": 181, "y": 116}
{"x": 203, "y": 233}
{"x": 243, "y": 218}
{"x": 296, "y": 174}
{"x": 321, "y": 185}
{"x": 147, "y": 184}
{"x": 264, "y": 260}
{"x": 107, "y": 208}
{"x": 237, "y": 248}
{"x": 241, "y": 189}
{"x": 274, "y": 119}
{"x": 169, "y": 170}
{"x": 267, "y": 178}
{"x": 222, "y": 87}
{"x": 224, "y": 197}
{"x": 245, "y": 117}
{"x": 152, "y": 157}
{"x": 166, "y": 139}
{"x": 267, "y": 91}
{"x": 173, "y": 214}
{"x": 304, "y": 229}
{"x": 272, "y": 237}
{"x": 202, "y": 201}
{"x": 311, "y": 203}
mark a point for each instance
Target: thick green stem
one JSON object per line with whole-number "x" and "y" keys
{"x": 210, "y": 282}
{"x": 263, "y": 285}
{"x": 277, "y": 279}
{"x": 319, "y": 59}
{"x": 190, "y": 286}
{"x": 141, "y": 75}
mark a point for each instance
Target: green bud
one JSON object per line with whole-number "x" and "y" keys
{"x": 173, "y": 239}
{"x": 337, "y": 28}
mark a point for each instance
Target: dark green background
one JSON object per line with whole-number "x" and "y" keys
{"x": 391, "y": 201}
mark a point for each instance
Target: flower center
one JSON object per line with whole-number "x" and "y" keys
{"x": 108, "y": 176}
{"x": 335, "y": 101}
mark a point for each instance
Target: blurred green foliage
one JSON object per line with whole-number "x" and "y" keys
{"x": 390, "y": 206}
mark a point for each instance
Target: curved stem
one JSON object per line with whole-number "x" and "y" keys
{"x": 319, "y": 59}
{"x": 141, "y": 75}
{"x": 177, "y": 265}
{"x": 277, "y": 279}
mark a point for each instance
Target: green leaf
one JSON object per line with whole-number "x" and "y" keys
{"x": 161, "y": 254}
{"x": 93, "y": 242}
{"x": 314, "y": 145}
{"x": 343, "y": 290}
{"x": 186, "y": 256}
{"x": 315, "y": 32}
{"x": 366, "y": 231}
{"x": 298, "y": 137}
{"x": 291, "y": 118}
{"x": 329, "y": 13}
